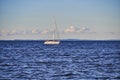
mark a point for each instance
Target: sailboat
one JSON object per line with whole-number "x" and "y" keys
{"x": 55, "y": 35}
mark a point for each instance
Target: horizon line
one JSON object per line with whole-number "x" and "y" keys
{"x": 60, "y": 39}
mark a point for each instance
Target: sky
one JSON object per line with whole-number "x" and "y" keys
{"x": 76, "y": 19}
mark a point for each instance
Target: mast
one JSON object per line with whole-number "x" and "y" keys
{"x": 56, "y": 29}
{"x": 53, "y": 34}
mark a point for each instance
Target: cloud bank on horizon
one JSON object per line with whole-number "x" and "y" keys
{"x": 68, "y": 32}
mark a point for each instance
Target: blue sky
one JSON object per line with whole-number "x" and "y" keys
{"x": 76, "y": 19}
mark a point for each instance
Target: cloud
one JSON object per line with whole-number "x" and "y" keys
{"x": 16, "y": 32}
{"x": 6, "y": 32}
{"x": 46, "y": 31}
{"x": 70, "y": 29}
{"x": 73, "y": 29}
{"x": 35, "y": 31}
{"x": 12, "y": 32}
{"x": 23, "y": 32}
{"x": 82, "y": 30}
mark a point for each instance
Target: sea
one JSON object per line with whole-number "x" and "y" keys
{"x": 70, "y": 60}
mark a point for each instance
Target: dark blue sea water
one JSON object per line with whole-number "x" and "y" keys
{"x": 71, "y": 60}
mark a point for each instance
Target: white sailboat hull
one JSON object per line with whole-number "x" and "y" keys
{"x": 52, "y": 42}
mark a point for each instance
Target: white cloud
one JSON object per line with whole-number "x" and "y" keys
{"x": 4, "y": 32}
{"x": 73, "y": 29}
{"x": 35, "y": 31}
{"x": 46, "y": 31}
{"x": 70, "y": 29}
{"x": 16, "y": 32}
{"x": 13, "y": 32}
